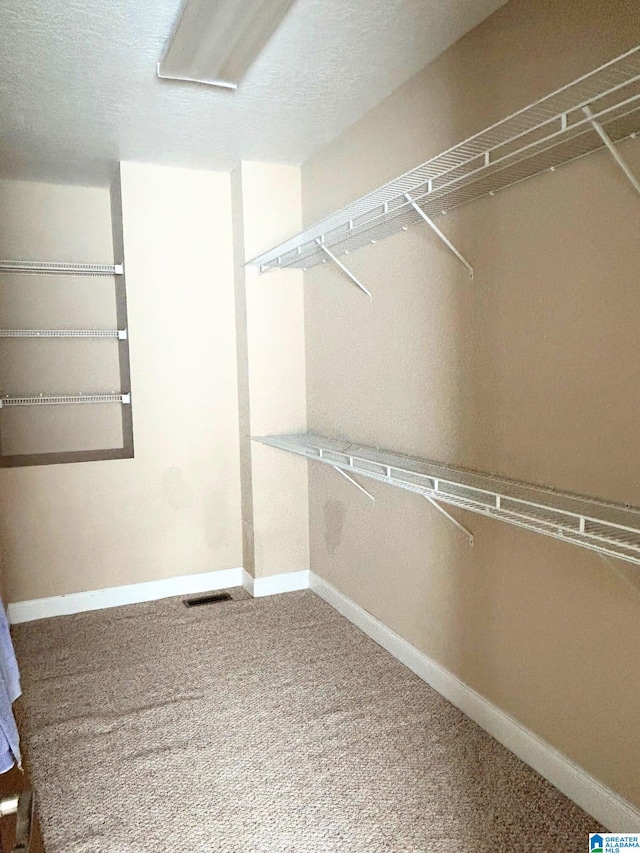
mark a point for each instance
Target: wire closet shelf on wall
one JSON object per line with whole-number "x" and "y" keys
{"x": 596, "y": 110}
{"x": 610, "y": 529}
{"x": 56, "y": 268}
{"x": 120, "y": 334}
{"x": 64, "y": 399}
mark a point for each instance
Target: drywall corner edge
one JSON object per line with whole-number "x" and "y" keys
{"x": 603, "y": 804}
{"x": 276, "y": 584}
{"x": 248, "y": 581}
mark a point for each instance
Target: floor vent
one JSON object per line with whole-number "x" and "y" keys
{"x": 210, "y": 598}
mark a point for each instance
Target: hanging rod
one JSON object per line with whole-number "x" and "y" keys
{"x": 606, "y": 528}
{"x": 64, "y": 399}
{"x": 121, "y": 334}
{"x": 55, "y": 268}
{"x": 548, "y": 133}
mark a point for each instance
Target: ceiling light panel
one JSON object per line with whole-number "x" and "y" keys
{"x": 216, "y": 41}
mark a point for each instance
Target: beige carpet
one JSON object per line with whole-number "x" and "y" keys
{"x": 262, "y": 726}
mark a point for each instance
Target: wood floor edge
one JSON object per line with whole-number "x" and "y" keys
{"x": 598, "y": 800}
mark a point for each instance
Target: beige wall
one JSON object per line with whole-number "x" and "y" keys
{"x": 273, "y": 393}
{"x": 529, "y": 372}
{"x": 175, "y": 508}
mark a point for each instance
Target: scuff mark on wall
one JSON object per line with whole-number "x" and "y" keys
{"x": 334, "y": 518}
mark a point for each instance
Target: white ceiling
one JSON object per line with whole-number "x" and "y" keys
{"x": 78, "y": 85}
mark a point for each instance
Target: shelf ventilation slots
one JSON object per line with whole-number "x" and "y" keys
{"x": 41, "y": 268}
{"x": 598, "y": 110}
{"x": 64, "y": 399}
{"x": 120, "y": 334}
{"x": 609, "y": 529}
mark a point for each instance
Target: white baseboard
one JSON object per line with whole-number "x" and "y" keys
{"x": 275, "y": 584}
{"x": 98, "y": 599}
{"x": 607, "y": 807}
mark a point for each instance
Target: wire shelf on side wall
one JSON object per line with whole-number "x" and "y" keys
{"x": 563, "y": 126}
{"x": 610, "y": 529}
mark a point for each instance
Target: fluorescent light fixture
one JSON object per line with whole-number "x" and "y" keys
{"x": 215, "y": 41}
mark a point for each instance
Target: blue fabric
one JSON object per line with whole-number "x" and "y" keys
{"x": 9, "y": 692}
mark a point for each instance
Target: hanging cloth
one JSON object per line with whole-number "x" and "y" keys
{"x": 9, "y": 692}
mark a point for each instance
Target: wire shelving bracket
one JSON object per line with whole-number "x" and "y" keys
{"x": 338, "y": 263}
{"x": 433, "y": 503}
{"x": 442, "y": 236}
{"x": 354, "y": 482}
{"x": 606, "y": 528}
{"x": 453, "y": 521}
{"x": 617, "y": 156}
{"x": 599, "y": 109}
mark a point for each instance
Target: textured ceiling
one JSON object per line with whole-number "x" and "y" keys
{"x": 78, "y": 85}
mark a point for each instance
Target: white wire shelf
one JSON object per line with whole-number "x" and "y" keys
{"x": 609, "y": 529}
{"x": 42, "y": 268}
{"x": 64, "y": 399}
{"x": 120, "y": 334}
{"x": 563, "y": 126}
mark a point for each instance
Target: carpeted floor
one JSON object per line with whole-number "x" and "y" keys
{"x": 262, "y": 726}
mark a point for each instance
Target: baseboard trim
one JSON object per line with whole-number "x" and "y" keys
{"x": 603, "y": 804}
{"x": 99, "y": 599}
{"x": 275, "y": 584}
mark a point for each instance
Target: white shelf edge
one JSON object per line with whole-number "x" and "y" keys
{"x": 607, "y": 528}
{"x": 528, "y": 136}
{"x": 60, "y": 268}
{"x": 120, "y": 334}
{"x": 64, "y": 399}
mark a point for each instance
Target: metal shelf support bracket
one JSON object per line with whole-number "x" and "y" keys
{"x": 453, "y": 521}
{"x": 607, "y": 559}
{"x": 343, "y": 268}
{"x": 442, "y": 236}
{"x": 354, "y": 483}
{"x": 604, "y": 136}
